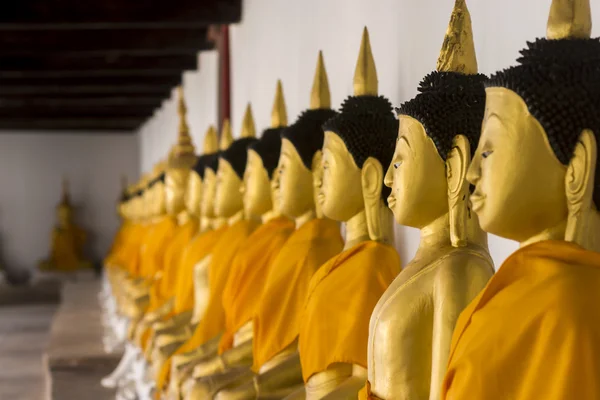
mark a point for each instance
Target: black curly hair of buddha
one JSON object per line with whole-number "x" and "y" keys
{"x": 449, "y": 104}
{"x": 237, "y": 154}
{"x": 306, "y": 134}
{"x": 202, "y": 163}
{"x": 268, "y": 147}
{"x": 559, "y": 80}
{"x": 368, "y": 128}
{"x": 160, "y": 178}
{"x": 125, "y": 197}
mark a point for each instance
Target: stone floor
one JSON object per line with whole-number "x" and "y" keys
{"x": 52, "y": 351}
{"x": 24, "y": 335}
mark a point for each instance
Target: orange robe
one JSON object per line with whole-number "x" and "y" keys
{"x": 198, "y": 249}
{"x": 154, "y": 246}
{"x": 119, "y": 241}
{"x": 339, "y": 303}
{"x": 213, "y": 321}
{"x": 533, "y": 332}
{"x": 249, "y": 270}
{"x": 172, "y": 256}
{"x": 277, "y": 318}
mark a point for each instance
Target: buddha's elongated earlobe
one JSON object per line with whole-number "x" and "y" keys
{"x": 579, "y": 187}
{"x": 372, "y": 183}
{"x": 457, "y": 164}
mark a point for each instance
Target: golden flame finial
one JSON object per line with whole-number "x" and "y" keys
{"x": 210, "y": 141}
{"x": 182, "y": 155}
{"x": 365, "y": 74}
{"x": 66, "y": 198}
{"x": 569, "y": 19}
{"x": 124, "y": 183}
{"x": 248, "y": 129}
{"x": 279, "y": 114}
{"x": 320, "y": 97}
{"x": 458, "y": 49}
{"x": 226, "y": 135}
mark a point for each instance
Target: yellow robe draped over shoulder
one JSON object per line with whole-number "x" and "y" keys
{"x": 533, "y": 332}
{"x": 154, "y": 246}
{"x": 213, "y": 321}
{"x": 195, "y": 251}
{"x": 249, "y": 270}
{"x": 119, "y": 241}
{"x": 172, "y": 257}
{"x": 277, "y": 318}
{"x": 341, "y": 297}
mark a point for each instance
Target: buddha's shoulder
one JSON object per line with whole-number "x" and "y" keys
{"x": 375, "y": 251}
{"x": 464, "y": 263}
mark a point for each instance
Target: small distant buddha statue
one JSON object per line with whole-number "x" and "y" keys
{"x": 254, "y": 260}
{"x": 358, "y": 145}
{"x": 67, "y": 241}
{"x": 411, "y": 327}
{"x": 228, "y": 206}
{"x": 534, "y": 331}
{"x": 316, "y": 239}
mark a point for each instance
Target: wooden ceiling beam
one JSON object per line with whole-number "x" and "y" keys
{"x": 46, "y": 13}
{"x": 28, "y": 43}
{"x": 127, "y": 124}
{"x": 110, "y": 60}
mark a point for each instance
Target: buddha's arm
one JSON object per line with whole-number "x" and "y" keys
{"x": 201, "y": 288}
{"x": 349, "y": 388}
{"x": 456, "y": 285}
{"x": 238, "y": 355}
{"x": 284, "y": 375}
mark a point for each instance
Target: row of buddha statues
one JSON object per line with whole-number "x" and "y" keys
{"x": 67, "y": 240}
{"x": 230, "y": 278}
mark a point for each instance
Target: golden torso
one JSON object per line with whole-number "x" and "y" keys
{"x": 408, "y": 344}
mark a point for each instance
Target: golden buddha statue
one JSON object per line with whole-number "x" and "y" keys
{"x": 315, "y": 240}
{"x": 181, "y": 159}
{"x": 358, "y": 143}
{"x": 226, "y": 205}
{"x": 172, "y": 333}
{"x": 242, "y": 292}
{"x": 67, "y": 241}
{"x": 534, "y": 331}
{"x": 411, "y": 327}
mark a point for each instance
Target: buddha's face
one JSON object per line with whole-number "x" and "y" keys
{"x": 417, "y": 177}
{"x": 340, "y": 193}
{"x": 193, "y": 194}
{"x": 227, "y": 200}
{"x": 175, "y": 187}
{"x": 294, "y": 182}
{"x": 207, "y": 205}
{"x": 519, "y": 182}
{"x": 256, "y": 187}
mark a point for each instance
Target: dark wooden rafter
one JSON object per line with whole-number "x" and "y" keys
{"x": 108, "y": 65}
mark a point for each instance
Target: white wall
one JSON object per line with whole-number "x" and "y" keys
{"x": 31, "y": 168}
{"x": 279, "y": 39}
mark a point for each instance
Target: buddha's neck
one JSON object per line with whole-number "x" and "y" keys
{"x": 436, "y": 234}
{"x": 216, "y": 223}
{"x": 304, "y": 218}
{"x": 184, "y": 217}
{"x": 556, "y": 232}
{"x": 589, "y": 237}
{"x": 357, "y": 230}
{"x": 238, "y": 216}
{"x": 205, "y": 224}
{"x": 270, "y": 215}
